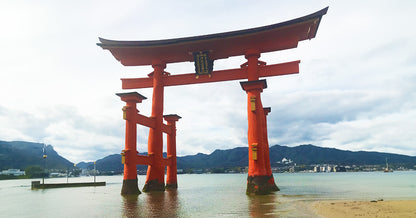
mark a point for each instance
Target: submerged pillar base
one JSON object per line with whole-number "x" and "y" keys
{"x": 261, "y": 185}
{"x": 130, "y": 187}
{"x": 172, "y": 186}
{"x": 154, "y": 185}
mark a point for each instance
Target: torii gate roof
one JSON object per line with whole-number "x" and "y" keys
{"x": 269, "y": 38}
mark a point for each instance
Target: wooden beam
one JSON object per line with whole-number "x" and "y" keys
{"x": 167, "y": 129}
{"x": 145, "y": 121}
{"x": 275, "y": 37}
{"x": 144, "y": 160}
{"x": 167, "y": 161}
{"x": 216, "y": 76}
{"x": 150, "y": 122}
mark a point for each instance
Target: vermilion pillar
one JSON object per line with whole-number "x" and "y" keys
{"x": 129, "y": 154}
{"x": 271, "y": 181}
{"x": 171, "y": 169}
{"x": 259, "y": 179}
{"x": 156, "y": 171}
{"x": 266, "y": 111}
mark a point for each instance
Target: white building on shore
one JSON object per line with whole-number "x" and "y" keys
{"x": 13, "y": 172}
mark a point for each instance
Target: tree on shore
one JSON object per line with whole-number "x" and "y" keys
{"x": 35, "y": 172}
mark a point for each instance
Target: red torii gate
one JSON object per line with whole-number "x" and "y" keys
{"x": 204, "y": 50}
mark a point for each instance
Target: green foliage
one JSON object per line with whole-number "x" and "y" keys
{"x": 218, "y": 170}
{"x": 4, "y": 177}
{"x": 76, "y": 172}
{"x": 35, "y": 172}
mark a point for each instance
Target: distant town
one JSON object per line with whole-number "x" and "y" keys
{"x": 283, "y": 166}
{"x": 294, "y": 168}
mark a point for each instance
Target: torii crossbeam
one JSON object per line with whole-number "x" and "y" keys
{"x": 204, "y": 50}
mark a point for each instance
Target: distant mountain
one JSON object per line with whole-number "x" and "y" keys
{"x": 303, "y": 154}
{"x": 109, "y": 163}
{"x": 236, "y": 157}
{"x": 85, "y": 165}
{"x": 310, "y": 154}
{"x": 19, "y": 155}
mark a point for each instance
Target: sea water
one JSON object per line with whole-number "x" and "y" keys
{"x": 202, "y": 195}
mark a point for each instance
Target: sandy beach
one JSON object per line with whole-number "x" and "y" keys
{"x": 380, "y": 208}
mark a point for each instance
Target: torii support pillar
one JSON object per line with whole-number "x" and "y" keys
{"x": 259, "y": 180}
{"x": 155, "y": 179}
{"x": 171, "y": 169}
{"x": 272, "y": 184}
{"x": 129, "y": 155}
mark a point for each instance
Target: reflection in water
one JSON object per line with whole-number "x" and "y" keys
{"x": 202, "y": 195}
{"x": 130, "y": 206}
{"x": 262, "y": 205}
{"x": 173, "y": 203}
{"x": 157, "y": 204}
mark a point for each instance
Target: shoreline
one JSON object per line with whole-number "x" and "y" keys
{"x": 375, "y": 208}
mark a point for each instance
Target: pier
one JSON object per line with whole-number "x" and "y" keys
{"x": 38, "y": 185}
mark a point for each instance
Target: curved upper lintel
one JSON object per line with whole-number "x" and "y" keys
{"x": 269, "y": 38}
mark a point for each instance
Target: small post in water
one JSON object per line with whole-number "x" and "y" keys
{"x": 44, "y": 164}
{"x": 95, "y": 172}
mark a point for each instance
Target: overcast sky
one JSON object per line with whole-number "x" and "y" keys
{"x": 355, "y": 90}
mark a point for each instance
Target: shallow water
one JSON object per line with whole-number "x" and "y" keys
{"x": 202, "y": 195}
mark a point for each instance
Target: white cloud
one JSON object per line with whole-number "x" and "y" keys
{"x": 75, "y": 136}
{"x": 389, "y": 133}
